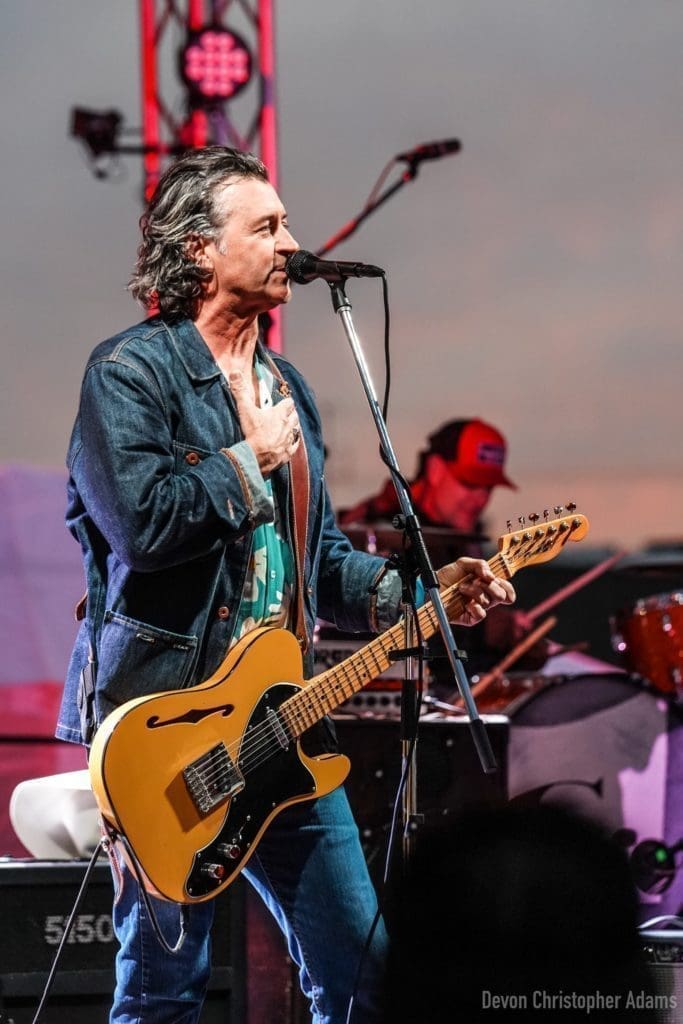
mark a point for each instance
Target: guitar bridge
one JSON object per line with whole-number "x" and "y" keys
{"x": 213, "y": 778}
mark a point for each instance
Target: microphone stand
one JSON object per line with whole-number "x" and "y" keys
{"x": 425, "y": 570}
{"x": 409, "y": 174}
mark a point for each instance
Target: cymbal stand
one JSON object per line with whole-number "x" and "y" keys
{"x": 417, "y": 548}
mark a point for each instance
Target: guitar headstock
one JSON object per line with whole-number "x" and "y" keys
{"x": 540, "y": 541}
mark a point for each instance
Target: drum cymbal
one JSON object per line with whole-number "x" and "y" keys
{"x": 384, "y": 535}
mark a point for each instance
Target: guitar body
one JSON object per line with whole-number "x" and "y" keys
{"x": 193, "y": 777}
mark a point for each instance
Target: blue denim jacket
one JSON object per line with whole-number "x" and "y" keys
{"x": 163, "y": 497}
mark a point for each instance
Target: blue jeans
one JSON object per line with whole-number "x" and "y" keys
{"x": 310, "y": 870}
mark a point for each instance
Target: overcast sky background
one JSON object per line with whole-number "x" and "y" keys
{"x": 535, "y": 279}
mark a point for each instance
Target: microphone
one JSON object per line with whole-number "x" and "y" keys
{"x": 302, "y": 267}
{"x": 431, "y": 151}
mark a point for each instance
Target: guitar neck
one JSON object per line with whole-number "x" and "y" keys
{"x": 327, "y": 691}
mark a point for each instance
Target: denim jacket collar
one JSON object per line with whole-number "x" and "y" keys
{"x": 196, "y": 357}
{"x": 193, "y": 352}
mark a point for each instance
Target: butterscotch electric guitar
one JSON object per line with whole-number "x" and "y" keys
{"x": 191, "y": 778}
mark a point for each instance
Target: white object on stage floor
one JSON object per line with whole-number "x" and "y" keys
{"x": 56, "y": 817}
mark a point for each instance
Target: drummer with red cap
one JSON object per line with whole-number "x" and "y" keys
{"x": 463, "y": 461}
{"x": 456, "y": 473}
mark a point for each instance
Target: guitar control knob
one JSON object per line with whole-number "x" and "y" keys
{"x": 229, "y": 850}
{"x": 215, "y": 871}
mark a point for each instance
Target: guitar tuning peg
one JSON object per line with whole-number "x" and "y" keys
{"x": 521, "y": 520}
{"x": 534, "y": 517}
{"x": 557, "y": 509}
{"x": 570, "y": 506}
{"x": 546, "y": 513}
{"x": 509, "y": 525}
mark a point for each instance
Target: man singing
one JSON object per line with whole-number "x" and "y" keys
{"x": 197, "y": 495}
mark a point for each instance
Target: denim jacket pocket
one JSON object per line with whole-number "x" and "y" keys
{"x": 136, "y": 659}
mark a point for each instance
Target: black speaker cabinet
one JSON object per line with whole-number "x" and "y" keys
{"x": 449, "y": 775}
{"x": 37, "y": 898}
{"x": 664, "y": 953}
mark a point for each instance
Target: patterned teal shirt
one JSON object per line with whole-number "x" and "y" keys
{"x": 268, "y": 587}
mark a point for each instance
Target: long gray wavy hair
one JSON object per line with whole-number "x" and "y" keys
{"x": 184, "y": 206}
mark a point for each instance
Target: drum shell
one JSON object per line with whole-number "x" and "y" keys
{"x": 649, "y": 637}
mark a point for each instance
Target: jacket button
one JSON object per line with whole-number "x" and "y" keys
{"x": 192, "y": 458}
{"x": 223, "y": 612}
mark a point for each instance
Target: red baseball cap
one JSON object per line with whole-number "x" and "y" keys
{"x": 475, "y": 451}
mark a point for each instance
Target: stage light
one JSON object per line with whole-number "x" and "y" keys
{"x": 99, "y": 129}
{"x": 215, "y": 64}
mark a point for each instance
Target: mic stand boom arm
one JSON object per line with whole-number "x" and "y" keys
{"x": 342, "y": 307}
{"x": 348, "y": 229}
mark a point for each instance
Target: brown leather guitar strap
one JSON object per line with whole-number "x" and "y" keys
{"x": 300, "y": 496}
{"x": 299, "y": 500}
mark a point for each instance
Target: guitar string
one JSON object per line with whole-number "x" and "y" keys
{"x": 313, "y": 704}
{"x": 260, "y": 745}
{"x": 260, "y": 737}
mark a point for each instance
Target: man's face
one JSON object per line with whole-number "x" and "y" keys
{"x": 248, "y": 257}
{"x": 450, "y": 501}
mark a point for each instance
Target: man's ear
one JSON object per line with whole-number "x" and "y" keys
{"x": 196, "y": 248}
{"x": 435, "y": 469}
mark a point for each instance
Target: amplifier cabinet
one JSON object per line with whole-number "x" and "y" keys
{"x": 449, "y": 775}
{"x": 37, "y": 898}
{"x": 663, "y": 951}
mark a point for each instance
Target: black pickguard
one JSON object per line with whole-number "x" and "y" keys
{"x": 277, "y": 778}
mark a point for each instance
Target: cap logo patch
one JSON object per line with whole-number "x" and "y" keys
{"x": 490, "y": 454}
